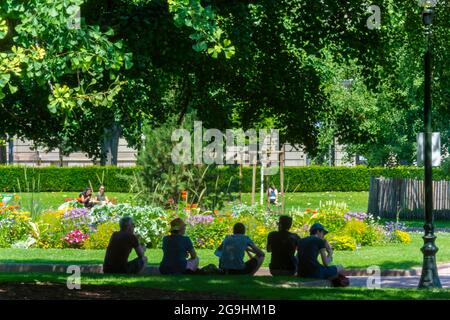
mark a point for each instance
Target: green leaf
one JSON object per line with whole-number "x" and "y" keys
{"x": 53, "y": 13}
{"x": 12, "y": 88}
{"x": 3, "y": 29}
{"x": 199, "y": 47}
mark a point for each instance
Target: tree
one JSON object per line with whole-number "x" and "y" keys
{"x": 55, "y": 78}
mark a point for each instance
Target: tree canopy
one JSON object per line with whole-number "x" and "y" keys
{"x": 237, "y": 63}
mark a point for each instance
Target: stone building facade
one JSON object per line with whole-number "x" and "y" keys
{"x": 22, "y": 152}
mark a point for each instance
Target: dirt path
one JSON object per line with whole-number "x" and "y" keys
{"x": 56, "y": 291}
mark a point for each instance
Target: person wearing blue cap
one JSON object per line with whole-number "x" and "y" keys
{"x": 309, "y": 248}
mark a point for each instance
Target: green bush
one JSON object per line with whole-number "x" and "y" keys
{"x": 119, "y": 179}
{"x": 342, "y": 242}
{"x": 56, "y": 179}
{"x": 100, "y": 238}
{"x": 401, "y": 237}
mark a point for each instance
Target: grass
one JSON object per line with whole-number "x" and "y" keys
{"x": 420, "y": 223}
{"x": 391, "y": 256}
{"x": 52, "y": 200}
{"x": 356, "y": 201}
{"x": 265, "y": 287}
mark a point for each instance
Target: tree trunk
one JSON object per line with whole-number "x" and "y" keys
{"x": 110, "y": 145}
{"x": 3, "y": 149}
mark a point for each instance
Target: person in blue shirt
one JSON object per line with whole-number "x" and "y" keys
{"x": 272, "y": 195}
{"x": 177, "y": 248}
{"x": 232, "y": 251}
{"x": 310, "y": 248}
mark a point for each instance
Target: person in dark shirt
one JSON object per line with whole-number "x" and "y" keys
{"x": 309, "y": 249}
{"x": 283, "y": 245}
{"x": 86, "y": 198}
{"x": 176, "y": 248}
{"x": 119, "y": 249}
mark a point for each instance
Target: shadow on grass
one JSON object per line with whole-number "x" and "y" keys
{"x": 240, "y": 286}
{"x": 52, "y": 261}
{"x": 58, "y": 262}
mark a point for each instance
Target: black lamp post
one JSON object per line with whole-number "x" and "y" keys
{"x": 429, "y": 277}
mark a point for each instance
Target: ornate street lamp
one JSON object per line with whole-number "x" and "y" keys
{"x": 429, "y": 277}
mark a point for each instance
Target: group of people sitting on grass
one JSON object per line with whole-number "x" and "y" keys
{"x": 290, "y": 256}
{"x": 90, "y": 200}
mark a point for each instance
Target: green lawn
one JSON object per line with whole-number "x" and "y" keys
{"x": 356, "y": 201}
{"x": 52, "y": 200}
{"x": 285, "y": 288}
{"x": 420, "y": 223}
{"x": 390, "y": 256}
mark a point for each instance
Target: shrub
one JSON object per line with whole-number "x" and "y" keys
{"x": 75, "y": 239}
{"x": 342, "y": 242}
{"x": 355, "y": 229}
{"x": 52, "y": 229}
{"x": 121, "y": 179}
{"x": 330, "y": 215}
{"x": 207, "y": 234}
{"x": 150, "y": 222}
{"x": 14, "y": 226}
{"x": 401, "y": 237}
{"x": 77, "y": 219}
{"x": 67, "y": 178}
{"x": 256, "y": 230}
{"x": 373, "y": 235}
{"x": 99, "y": 239}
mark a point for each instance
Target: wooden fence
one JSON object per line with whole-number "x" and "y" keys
{"x": 389, "y": 197}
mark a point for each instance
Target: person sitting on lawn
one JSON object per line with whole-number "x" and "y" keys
{"x": 272, "y": 195}
{"x": 283, "y": 245}
{"x": 101, "y": 197}
{"x": 231, "y": 253}
{"x": 119, "y": 249}
{"x": 309, "y": 249}
{"x": 86, "y": 198}
{"x": 176, "y": 249}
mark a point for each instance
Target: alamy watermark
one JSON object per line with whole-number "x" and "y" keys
{"x": 374, "y": 279}
{"x": 74, "y": 280}
{"x": 374, "y": 21}
{"x": 233, "y": 146}
{"x": 74, "y": 20}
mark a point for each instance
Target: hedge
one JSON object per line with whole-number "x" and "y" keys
{"x": 319, "y": 178}
{"x": 117, "y": 179}
{"x": 56, "y": 179}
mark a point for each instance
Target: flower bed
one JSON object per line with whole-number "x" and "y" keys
{"x": 74, "y": 227}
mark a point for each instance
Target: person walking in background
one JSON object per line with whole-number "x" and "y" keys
{"x": 272, "y": 195}
{"x": 119, "y": 249}
{"x": 283, "y": 245}
{"x": 232, "y": 251}
{"x": 176, "y": 248}
{"x": 309, "y": 249}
